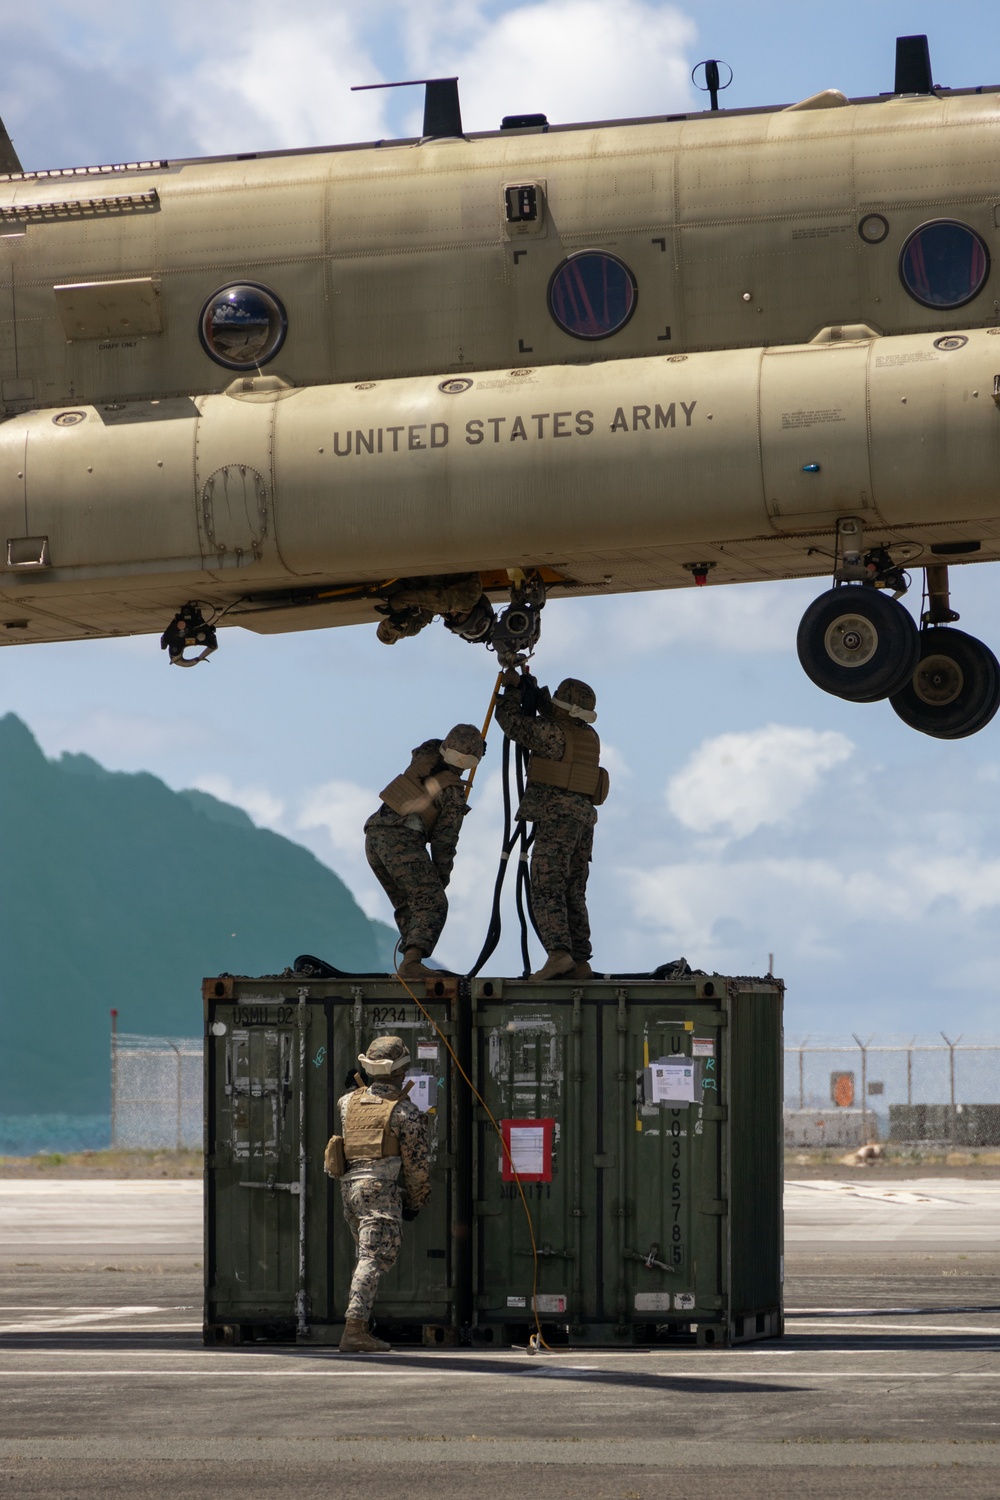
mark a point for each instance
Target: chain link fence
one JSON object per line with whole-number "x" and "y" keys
{"x": 909, "y": 1090}
{"x": 156, "y": 1092}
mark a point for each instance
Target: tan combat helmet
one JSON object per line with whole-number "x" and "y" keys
{"x": 576, "y": 699}
{"x": 386, "y": 1055}
{"x": 463, "y": 747}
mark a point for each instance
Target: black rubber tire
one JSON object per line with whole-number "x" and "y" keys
{"x": 858, "y": 644}
{"x": 955, "y": 689}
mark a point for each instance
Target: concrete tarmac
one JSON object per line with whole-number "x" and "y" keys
{"x": 888, "y": 1378}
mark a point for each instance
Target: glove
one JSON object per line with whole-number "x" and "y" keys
{"x": 409, "y": 1214}
{"x": 511, "y": 678}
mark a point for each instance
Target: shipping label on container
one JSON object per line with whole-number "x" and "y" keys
{"x": 671, "y": 1082}
{"x": 424, "y": 1090}
{"x": 652, "y": 1301}
{"x": 550, "y": 1303}
{"x": 427, "y": 1051}
{"x": 528, "y": 1150}
{"x": 684, "y": 1301}
{"x": 702, "y": 1046}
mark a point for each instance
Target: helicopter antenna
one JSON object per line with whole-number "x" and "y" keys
{"x": 913, "y": 66}
{"x": 442, "y": 110}
{"x": 713, "y": 81}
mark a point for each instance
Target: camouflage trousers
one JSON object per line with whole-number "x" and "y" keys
{"x": 404, "y": 869}
{"x": 560, "y": 865}
{"x": 373, "y": 1211}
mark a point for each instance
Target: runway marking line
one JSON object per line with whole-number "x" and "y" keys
{"x": 728, "y": 1376}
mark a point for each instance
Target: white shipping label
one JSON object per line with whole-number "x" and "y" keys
{"x": 673, "y": 1083}
{"x": 517, "y": 1301}
{"x": 652, "y": 1301}
{"x": 550, "y": 1304}
{"x": 427, "y": 1051}
{"x": 527, "y": 1149}
{"x": 424, "y": 1090}
{"x": 702, "y": 1046}
{"x": 684, "y": 1301}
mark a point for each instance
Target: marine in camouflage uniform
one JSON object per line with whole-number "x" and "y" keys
{"x": 411, "y": 840}
{"x": 564, "y": 783}
{"x": 380, "y": 1191}
{"x": 457, "y": 597}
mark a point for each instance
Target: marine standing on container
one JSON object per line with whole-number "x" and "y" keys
{"x": 384, "y": 1140}
{"x": 565, "y": 783}
{"x": 425, "y": 805}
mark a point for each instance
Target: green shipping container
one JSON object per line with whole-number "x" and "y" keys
{"x": 644, "y": 1122}
{"x": 640, "y": 1119}
{"x": 278, "y": 1256}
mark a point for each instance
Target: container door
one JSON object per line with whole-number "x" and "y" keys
{"x": 421, "y": 1289}
{"x": 662, "y": 1226}
{"x": 253, "y": 1202}
{"x": 534, "y": 1066}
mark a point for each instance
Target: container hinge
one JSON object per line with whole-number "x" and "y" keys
{"x": 484, "y": 1210}
{"x": 621, "y": 1019}
{"x": 715, "y": 1112}
{"x": 271, "y": 1187}
{"x": 717, "y": 1206}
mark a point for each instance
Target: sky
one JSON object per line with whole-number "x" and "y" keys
{"x": 750, "y": 813}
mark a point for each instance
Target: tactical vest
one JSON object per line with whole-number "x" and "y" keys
{"x": 366, "y": 1127}
{"x": 409, "y": 794}
{"x": 579, "y": 770}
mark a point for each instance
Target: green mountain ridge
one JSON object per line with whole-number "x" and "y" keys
{"x": 117, "y": 892}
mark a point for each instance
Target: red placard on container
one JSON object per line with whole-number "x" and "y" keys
{"x": 529, "y": 1143}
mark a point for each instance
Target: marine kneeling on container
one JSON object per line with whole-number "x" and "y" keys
{"x": 424, "y": 806}
{"x": 384, "y": 1139}
{"x": 565, "y": 784}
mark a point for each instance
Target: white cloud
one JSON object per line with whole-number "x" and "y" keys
{"x": 740, "y": 782}
{"x": 748, "y": 620}
{"x": 340, "y": 808}
{"x": 120, "y": 741}
{"x": 573, "y": 60}
{"x": 266, "y": 810}
{"x": 285, "y": 78}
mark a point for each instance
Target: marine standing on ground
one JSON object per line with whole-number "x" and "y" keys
{"x": 425, "y": 805}
{"x": 384, "y": 1139}
{"x": 565, "y": 784}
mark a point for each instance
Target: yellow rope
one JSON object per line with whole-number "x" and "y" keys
{"x": 537, "y": 1338}
{"x": 538, "y": 1335}
{"x": 486, "y": 724}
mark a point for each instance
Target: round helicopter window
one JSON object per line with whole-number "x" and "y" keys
{"x": 944, "y": 264}
{"x": 242, "y": 326}
{"x": 592, "y": 294}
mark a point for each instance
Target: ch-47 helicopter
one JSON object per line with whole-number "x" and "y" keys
{"x": 295, "y": 389}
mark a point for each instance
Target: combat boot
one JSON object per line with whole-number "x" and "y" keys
{"x": 358, "y": 1340}
{"x": 559, "y": 962}
{"x": 582, "y": 970}
{"x": 412, "y": 968}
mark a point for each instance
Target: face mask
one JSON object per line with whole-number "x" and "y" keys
{"x": 586, "y": 714}
{"x": 458, "y": 760}
{"x": 381, "y": 1067}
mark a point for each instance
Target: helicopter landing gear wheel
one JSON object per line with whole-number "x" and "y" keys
{"x": 858, "y": 644}
{"x": 955, "y": 689}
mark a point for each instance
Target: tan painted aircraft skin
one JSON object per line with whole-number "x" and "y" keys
{"x": 426, "y": 414}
